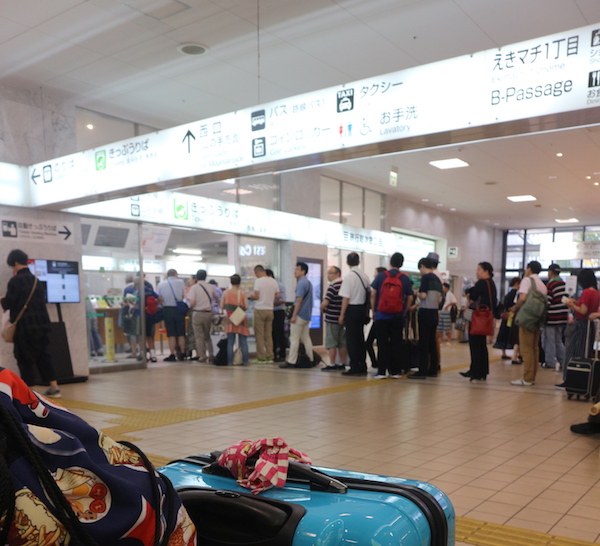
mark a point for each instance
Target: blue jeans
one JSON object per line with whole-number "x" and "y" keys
{"x": 553, "y": 344}
{"x": 243, "y": 341}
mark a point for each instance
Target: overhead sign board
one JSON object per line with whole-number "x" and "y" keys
{"x": 180, "y": 209}
{"x": 549, "y": 75}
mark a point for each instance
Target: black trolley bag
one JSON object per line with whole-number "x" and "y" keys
{"x": 583, "y": 374}
{"x": 410, "y": 345}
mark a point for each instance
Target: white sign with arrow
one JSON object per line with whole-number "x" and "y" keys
{"x": 36, "y": 231}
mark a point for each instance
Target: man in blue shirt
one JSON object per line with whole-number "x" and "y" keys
{"x": 300, "y": 321}
{"x": 389, "y": 326}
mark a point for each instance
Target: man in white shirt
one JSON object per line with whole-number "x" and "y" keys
{"x": 529, "y": 342}
{"x": 266, "y": 290}
{"x": 355, "y": 297}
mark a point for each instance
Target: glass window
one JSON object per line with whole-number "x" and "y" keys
{"x": 352, "y": 205}
{"x": 535, "y": 239}
{"x": 260, "y": 191}
{"x": 568, "y": 236}
{"x": 374, "y": 210}
{"x": 330, "y": 199}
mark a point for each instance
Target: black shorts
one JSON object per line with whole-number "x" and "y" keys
{"x": 174, "y": 322}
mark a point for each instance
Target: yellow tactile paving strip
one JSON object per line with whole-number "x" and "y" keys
{"x": 480, "y": 533}
{"x": 468, "y": 531}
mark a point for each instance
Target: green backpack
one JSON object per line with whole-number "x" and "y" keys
{"x": 532, "y": 313}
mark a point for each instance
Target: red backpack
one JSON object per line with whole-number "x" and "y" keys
{"x": 151, "y": 304}
{"x": 391, "y": 298}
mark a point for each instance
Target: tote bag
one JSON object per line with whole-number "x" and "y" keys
{"x": 238, "y": 315}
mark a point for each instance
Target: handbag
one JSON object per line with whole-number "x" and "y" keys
{"x": 238, "y": 315}
{"x": 461, "y": 322}
{"x": 238, "y": 359}
{"x": 9, "y": 328}
{"x": 482, "y": 321}
{"x": 182, "y": 307}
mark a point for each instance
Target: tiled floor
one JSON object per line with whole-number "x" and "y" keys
{"x": 503, "y": 454}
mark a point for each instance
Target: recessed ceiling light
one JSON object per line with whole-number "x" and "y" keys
{"x": 89, "y": 126}
{"x": 425, "y": 200}
{"x": 191, "y": 251}
{"x": 453, "y": 163}
{"x": 439, "y": 205}
{"x": 596, "y": 183}
{"x": 496, "y": 223}
{"x": 559, "y": 154}
{"x": 588, "y": 177}
{"x": 452, "y": 209}
{"x": 566, "y": 220}
{"x": 552, "y": 177}
{"x": 193, "y": 49}
{"x": 521, "y": 198}
{"x": 229, "y": 181}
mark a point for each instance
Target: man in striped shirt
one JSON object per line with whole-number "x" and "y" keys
{"x": 335, "y": 333}
{"x": 557, "y": 316}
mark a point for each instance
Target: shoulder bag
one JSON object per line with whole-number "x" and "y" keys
{"x": 531, "y": 314}
{"x": 367, "y": 303}
{"x": 8, "y": 328}
{"x": 182, "y": 307}
{"x": 238, "y": 315}
{"x": 482, "y": 321}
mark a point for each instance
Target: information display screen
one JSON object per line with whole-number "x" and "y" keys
{"x": 60, "y": 277}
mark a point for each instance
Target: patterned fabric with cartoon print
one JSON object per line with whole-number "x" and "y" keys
{"x": 112, "y": 492}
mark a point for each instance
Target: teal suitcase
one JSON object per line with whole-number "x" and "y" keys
{"x": 317, "y": 506}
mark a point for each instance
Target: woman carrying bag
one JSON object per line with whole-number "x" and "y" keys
{"x": 483, "y": 302}
{"x": 234, "y": 303}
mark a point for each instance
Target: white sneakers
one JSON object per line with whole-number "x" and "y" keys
{"x": 521, "y": 383}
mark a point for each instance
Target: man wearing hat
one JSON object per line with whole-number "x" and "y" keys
{"x": 557, "y": 315}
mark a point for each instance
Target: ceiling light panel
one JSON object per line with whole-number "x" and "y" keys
{"x": 521, "y": 198}
{"x": 454, "y": 163}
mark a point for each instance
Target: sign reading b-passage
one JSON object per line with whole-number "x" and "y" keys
{"x": 557, "y": 73}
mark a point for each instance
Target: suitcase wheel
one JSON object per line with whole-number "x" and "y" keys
{"x": 569, "y": 396}
{"x": 577, "y": 397}
{"x": 587, "y": 398}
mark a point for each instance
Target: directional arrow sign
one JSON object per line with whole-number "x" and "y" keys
{"x": 189, "y": 135}
{"x": 34, "y": 176}
{"x": 66, "y": 232}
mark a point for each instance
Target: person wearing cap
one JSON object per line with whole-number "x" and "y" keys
{"x": 556, "y": 319}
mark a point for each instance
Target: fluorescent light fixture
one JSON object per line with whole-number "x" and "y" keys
{"x": 566, "y": 220}
{"x": 521, "y": 198}
{"x": 191, "y": 251}
{"x": 453, "y": 163}
{"x": 185, "y": 258}
{"x": 343, "y": 213}
{"x": 234, "y": 191}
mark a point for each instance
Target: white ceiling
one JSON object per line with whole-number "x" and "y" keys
{"x": 120, "y": 58}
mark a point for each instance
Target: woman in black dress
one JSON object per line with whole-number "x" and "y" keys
{"x": 504, "y": 339}
{"x": 483, "y": 293}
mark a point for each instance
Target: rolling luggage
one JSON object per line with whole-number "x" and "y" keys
{"x": 583, "y": 374}
{"x": 316, "y": 506}
{"x": 409, "y": 358}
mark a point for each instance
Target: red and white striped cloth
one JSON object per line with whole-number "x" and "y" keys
{"x": 271, "y": 466}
